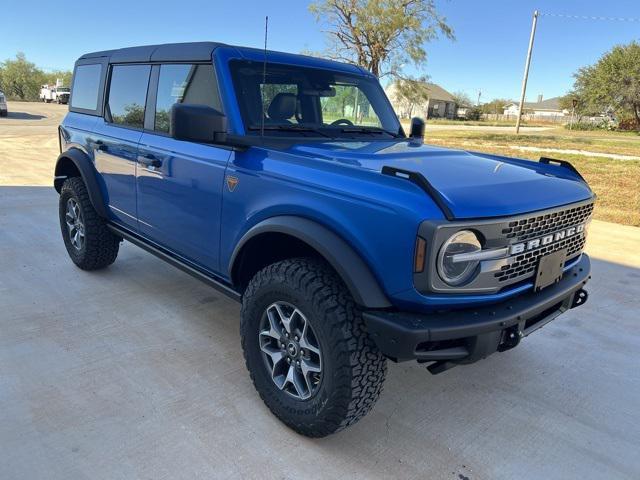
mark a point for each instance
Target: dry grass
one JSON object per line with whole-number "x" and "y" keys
{"x": 616, "y": 182}
{"x": 600, "y": 142}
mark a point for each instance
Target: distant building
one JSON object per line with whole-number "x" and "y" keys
{"x": 439, "y": 105}
{"x": 540, "y": 109}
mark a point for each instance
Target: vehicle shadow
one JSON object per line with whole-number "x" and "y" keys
{"x": 24, "y": 116}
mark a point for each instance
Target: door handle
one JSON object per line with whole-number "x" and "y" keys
{"x": 149, "y": 160}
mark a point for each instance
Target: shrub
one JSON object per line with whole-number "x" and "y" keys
{"x": 603, "y": 124}
{"x": 629, "y": 125}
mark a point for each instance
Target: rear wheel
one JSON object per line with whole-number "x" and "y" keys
{"x": 306, "y": 348}
{"x": 89, "y": 242}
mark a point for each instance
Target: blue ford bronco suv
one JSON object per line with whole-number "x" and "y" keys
{"x": 287, "y": 183}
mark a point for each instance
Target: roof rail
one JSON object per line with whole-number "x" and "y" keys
{"x": 420, "y": 180}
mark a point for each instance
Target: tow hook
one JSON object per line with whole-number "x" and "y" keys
{"x": 510, "y": 338}
{"x": 580, "y": 298}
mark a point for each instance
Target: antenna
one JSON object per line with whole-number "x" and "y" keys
{"x": 264, "y": 74}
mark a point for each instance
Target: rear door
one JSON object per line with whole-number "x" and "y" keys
{"x": 180, "y": 183}
{"x": 115, "y": 139}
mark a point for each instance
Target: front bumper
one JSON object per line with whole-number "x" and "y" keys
{"x": 466, "y": 336}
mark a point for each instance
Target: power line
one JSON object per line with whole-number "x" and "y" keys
{"x": 591, "y": 17}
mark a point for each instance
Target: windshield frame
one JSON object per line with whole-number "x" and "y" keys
{"x": 368, "y": 85}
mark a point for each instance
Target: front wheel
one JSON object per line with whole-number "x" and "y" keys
{"x": 307, "y": 349}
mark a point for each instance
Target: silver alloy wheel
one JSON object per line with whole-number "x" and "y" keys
{"x": 290, "y": 350}
{"x": 75, "y": 224}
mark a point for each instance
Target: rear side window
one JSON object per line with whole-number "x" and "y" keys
{"x": 193, "y": 84}
{"x": 86, "y": 83}
{"x": 128, "y": 94}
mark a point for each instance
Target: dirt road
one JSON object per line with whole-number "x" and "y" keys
{"x": 28, "y": 138}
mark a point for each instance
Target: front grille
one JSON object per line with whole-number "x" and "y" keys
{"x": 525, "y": 263}
{"x": 547, "y": 223}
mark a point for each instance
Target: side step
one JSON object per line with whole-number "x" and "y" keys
{"x": 183, "y": 265}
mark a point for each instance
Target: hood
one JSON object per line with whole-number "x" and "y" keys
{"x": 473, "y": 185}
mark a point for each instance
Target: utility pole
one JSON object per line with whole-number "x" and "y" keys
{"x": 479, "y": 94}
{"x": 526, "y": 70}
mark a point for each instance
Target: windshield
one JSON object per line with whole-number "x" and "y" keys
{"x": 311, "y": 102}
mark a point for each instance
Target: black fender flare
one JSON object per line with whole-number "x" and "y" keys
{"x": 350, "y": 266}
{"x": 89, "y": 176}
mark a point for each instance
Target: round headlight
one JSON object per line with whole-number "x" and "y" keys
{"x": 452, "y": 270}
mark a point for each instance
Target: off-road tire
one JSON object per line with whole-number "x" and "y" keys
{"x": 100, "y": 247}
{"x": 353, "y": 367}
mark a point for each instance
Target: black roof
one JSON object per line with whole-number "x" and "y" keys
{"x": 168, "y": 52}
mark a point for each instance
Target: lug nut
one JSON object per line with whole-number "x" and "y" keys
{"x": 296, "y": 338}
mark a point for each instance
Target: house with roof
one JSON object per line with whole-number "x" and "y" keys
{"x": 440, "y": 103}
{"x": 541, "y": 109}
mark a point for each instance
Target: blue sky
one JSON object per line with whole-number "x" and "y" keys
{"x": 488, "y": 53}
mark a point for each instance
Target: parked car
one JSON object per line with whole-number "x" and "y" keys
{"x": 4, "y": 111}
{"x": 54, "y": 93}
{"x": 287, "y": 183}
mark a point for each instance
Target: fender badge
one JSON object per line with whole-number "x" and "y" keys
{"x": 232, "y": 182}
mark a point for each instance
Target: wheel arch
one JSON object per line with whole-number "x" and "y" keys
{"x": 302, "y": 236}
{"x": 75, "y": 163}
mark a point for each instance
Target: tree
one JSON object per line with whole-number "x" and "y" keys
{"x": 461, "y": 99}
{"x": 55, "y": 75}
{"x": 410, "y": 92}
{"x": 576, "y": 102}
{"x": 495, "y": 106}
{"x": 21, "y": 78}
{"x": 380, "y": 35}
{"x": 612, "y": 83}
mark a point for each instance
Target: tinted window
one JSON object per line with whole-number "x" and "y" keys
{"x": 128, "y": 94}
{"x": 86, "y": 82}
{"x": 304, "y": 101}
{"x": 193, "y": 84}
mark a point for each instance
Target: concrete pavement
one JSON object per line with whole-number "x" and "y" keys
{"x": 136, "y": 372}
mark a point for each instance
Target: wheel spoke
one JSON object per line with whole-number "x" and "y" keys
{"x": 293, "y": 378}
{"x": 276, "y": 357}
{"x": 274, "y": 329}
{"x": 308, "y": 366}
{"x": 286, "y": 320}
{"x": 304, "y": 342}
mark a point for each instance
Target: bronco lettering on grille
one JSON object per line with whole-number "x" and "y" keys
{"x": 546, "y": 240}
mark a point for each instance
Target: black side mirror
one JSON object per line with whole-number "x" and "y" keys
{"x": 417, "y": 130}
{"x": 197, "y": 123}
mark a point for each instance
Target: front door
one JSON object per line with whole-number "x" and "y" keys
{"x": 179, "y": 183}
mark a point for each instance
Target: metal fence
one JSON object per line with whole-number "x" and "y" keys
{"x": 498, "y": 117}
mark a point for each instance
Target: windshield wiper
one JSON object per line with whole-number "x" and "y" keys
{"x": 289, "y": 128}
{"x": 372, "y": 130}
